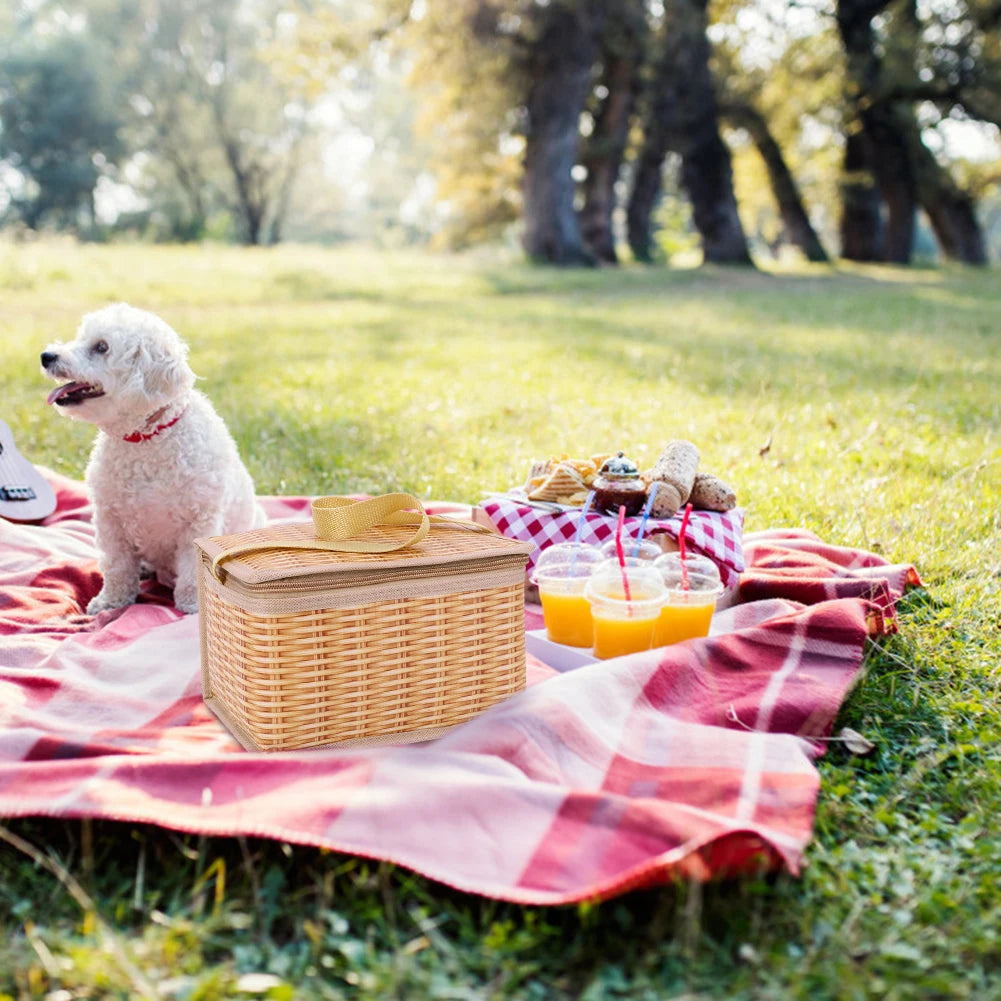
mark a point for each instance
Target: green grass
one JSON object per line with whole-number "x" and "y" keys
{"x": 858, "y": 402}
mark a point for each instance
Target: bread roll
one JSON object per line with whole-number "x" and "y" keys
{"x": 674, "y": 473}
{"x": 710, "y": 493}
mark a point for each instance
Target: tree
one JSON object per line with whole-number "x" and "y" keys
{"x": 756, "y": 99}
{"x": 60, "y": 132}
{"x": 220, "y": 58}
{"x": 682, "y": 116}
{"x": 558, "y": 67}
{"x": 861, "y": 202}
{"x": 954, "y": 62}
{"x": 622, "y": 55}
{"x": 887, "y": 63}
{"x": 798, "y": 229}
{"x": 519, "y": 79}
{"x": 470, "y": 96}
{"x": 950, "y": 210}
{"x": 215, "y": 112}
{"x": 875, "y": 147}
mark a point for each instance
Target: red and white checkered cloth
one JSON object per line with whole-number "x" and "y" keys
{"x": 711, "y": 533}
{"x": 694, "y": 760}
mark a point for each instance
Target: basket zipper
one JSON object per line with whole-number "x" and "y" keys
{"x": 322, "y": 582}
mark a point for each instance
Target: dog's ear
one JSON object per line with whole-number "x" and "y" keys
{"x": 162, "y": 364}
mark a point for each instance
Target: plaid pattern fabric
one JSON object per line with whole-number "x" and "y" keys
{"x": 711, "y": 533}
{"x": 695, "y": 760}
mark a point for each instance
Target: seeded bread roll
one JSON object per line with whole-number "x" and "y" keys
{"x": 674, "y": 473}
{"x": 710, "y": 493}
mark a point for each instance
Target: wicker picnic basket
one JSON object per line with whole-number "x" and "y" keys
{"x": 306, "y": 645}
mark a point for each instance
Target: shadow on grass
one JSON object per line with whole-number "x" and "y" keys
{"x": 304, "y": 285}
{"x": 726, "y": 335}
{"x": 525, "y": 279}
{"x": 730, "y": 346}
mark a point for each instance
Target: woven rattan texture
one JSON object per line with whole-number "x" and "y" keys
{"x": 317, "y": 678}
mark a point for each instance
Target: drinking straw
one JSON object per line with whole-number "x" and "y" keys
{"x": 580, "y": 531}
{"x": 646, "y": 515}
{"x": 681, "y": 546}
{"x": 620, "y": 554}
{"x": 583, "y": 518}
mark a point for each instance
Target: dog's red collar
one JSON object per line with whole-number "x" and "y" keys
{"x": 136, "y": 436}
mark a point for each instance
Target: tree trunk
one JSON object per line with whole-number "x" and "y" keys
{"x": 861, "y": 221}
{"x": 891, "y": 163}
{"x": 955, "y": 224}
{"x": 658, "y": 119}
{"x": 644, "y": 198}
{"x": 708, "y": 179}
{"x": 603, "y": 161}
{"x": 606, "y": 145}
{"x": 684, "y": 108}
{"x": 950, "y": 210}
{"x": 251, "y": 211}
{"x": 797, "y": 225}
{"x": 861, "y": 201}
{"x": 559, "y": 68}
{"x": 243, "y": 174}
{"x": 283, "y": 196}
{"x": 876, "y": 148}
{"x": 706, "y": 172}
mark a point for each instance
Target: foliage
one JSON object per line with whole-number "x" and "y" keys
{"x": 212, "y": 105}
{"x": 60, "y": 130}
{"x": 859, "y": 402}
{"x": 471, "y": 95}
{"x": 797, "y": 87}
{"x": 216, "y": 110}
{"x": 400, "y": 122}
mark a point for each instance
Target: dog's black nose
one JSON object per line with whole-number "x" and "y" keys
{"x": 49, "y": 358}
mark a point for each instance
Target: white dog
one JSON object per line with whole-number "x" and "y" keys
{"x": 164, "y": 469}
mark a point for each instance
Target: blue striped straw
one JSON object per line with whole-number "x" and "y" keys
{"x": 580, "y": 530}
{"x": 646, "y": 515}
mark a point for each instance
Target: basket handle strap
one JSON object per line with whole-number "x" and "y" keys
{"x": 341, "y": 524}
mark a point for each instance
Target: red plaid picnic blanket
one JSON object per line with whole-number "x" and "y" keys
{"x": 712, "y": 533}
{"x": 691, "y": 761}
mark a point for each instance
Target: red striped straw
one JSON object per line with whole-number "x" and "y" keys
{"x": 620, "y": 553}
{"x": 681, "y": 546}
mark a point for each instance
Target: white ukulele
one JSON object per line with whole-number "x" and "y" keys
{"x": 24, "y": 494}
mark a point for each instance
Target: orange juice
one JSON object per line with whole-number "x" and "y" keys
{"x": 561, "y": 574}
{"x": 615, "y": 636}
{"x": 567, "y": 616}
{"x": 624, "y": 625}
{"x": 682, "y": 621}
{"x": 693, "y": 587}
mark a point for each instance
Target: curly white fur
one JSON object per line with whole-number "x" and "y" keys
{"x": 179, "y": 477}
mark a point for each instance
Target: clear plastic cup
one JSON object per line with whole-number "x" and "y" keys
{"x": 561, "y": 573}
{"x": 689, "y": 604}
{"x": 607, "y": 565}
{"x": 644, "y": 550}
{"x": 694, "y": 563}
{"x": 624, "y": 625}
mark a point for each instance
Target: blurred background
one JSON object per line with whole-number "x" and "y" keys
{"x": 583, "y": 131}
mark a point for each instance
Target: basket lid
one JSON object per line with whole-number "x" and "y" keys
{"x": 446, "y": 545}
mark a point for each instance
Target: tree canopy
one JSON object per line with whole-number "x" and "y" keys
{"x": 60, "y": 130}
{"x": 588, "y": 129}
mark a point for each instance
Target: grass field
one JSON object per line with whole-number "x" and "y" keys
{"x": 861, "y": 403}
